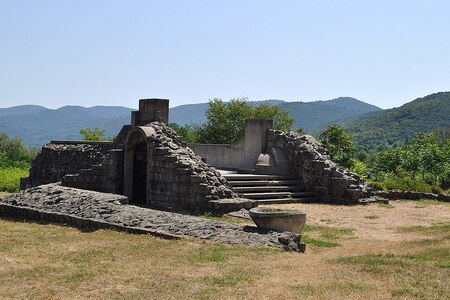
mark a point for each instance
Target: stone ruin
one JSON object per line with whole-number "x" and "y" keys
{"x": 147, "y": 162}
{"x": 89, "y": 184}
{"x": 150, "y": 164}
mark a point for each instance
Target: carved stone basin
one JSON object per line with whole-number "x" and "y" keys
{"x": 279, "y": 219}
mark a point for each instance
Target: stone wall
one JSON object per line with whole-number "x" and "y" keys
{"x": 59, "y": 158}
{"x": 239, "y": 155}
{"x": 411, "y": 195}
{"x": 177, "y": 177}
{"x": 106, "y": 177}
{"x": 316, "y": 171}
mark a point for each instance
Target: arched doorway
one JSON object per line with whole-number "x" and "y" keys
{"x": 136, "y": 167}
{"x": 140, "y": 174}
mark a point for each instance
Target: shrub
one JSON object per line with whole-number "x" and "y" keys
{"x": 10, "y": 178}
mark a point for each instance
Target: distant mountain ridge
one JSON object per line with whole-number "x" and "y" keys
{"x": 21, "y": 110}
{"x": 37, "y": 125}
{"x": 370, "y": 126}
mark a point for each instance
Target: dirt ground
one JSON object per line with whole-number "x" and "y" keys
{"x": 395, "y": 251}
{"x": 376, "y": 221}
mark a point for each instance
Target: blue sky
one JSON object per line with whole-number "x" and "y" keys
{"x": 85, "y": 52}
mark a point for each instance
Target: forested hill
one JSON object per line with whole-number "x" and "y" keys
{"x": 314, "y": 117}
{"x": 37, "y": 125}
{"x": 387, "y": 127}
{"x": 370, "y": 126}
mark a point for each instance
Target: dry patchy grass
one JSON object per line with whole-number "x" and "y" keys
{"x": 4, "y": 194}
{"x": 50, "y": 261}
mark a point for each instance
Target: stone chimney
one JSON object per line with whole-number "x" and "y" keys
{"x": 151, "y": 110}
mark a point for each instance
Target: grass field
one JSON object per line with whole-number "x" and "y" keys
{"x": 354, "y": 252}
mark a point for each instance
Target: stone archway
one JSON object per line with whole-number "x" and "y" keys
{"x": 136, "y": 167}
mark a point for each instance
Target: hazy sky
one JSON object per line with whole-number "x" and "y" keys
{"x": 93, "y": 52}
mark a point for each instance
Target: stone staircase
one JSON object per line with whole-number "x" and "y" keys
{"x": 268, "y": 189}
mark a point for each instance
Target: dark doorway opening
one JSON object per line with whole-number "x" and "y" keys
{"x": 140, "y": 174}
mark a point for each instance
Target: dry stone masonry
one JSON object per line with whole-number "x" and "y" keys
{"x": 93, "y": 210}
{"x": 57, "y": 159}
{"x": 147, "y": 162}
{"x": 150, "y": 165}
{"x": 312, "y": 164}
{"x": 176, "y": 178}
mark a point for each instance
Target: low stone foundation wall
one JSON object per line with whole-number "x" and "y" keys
{"x": 93, "y": 210}
{"x": 32, "y": 214}
{"x": 411, "y": 195}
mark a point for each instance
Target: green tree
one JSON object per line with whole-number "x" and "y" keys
{"x": 428, "y": 157}
{"x": 226, "y": 120}
{"x": 92, "y": 134}
{"x": 189, "y": 133}
{"x": 340, "y": 144}
{"x": 14, "y": 151}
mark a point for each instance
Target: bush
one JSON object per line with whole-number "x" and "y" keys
{"x": 15, "y": 160}
{"x": 10, "y": 178}
{"x": 392, "y": 181}
{"x": 422, "y": 164}
{"x": 359, "y": 168}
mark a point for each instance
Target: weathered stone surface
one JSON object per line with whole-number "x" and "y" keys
{"x": 106, "y": 176}
{"x": 177, "y": 179}
{"x": 412, "y": 195}
{"x": 171, "y": 176}
{"x": 373, "y": 199}
{"x": 313, "y": 165}
{"x": 277, "y": 219}
{"x": 83, "y": 208}
{"x": 233, "y": 204}
{"x": 57, "y": 159}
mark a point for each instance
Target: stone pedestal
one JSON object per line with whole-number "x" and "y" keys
{"x": 151, "y": 110}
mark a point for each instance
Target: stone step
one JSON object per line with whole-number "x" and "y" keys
{"x": 286, "y": 200}
{"x": 262, "y": 182}
{"x": 274, "y": 195}
{"x": 253, "y": 177}
{"x": 264, "y": 189}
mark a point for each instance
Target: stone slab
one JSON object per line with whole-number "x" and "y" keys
{"x": 82, "y": 208}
